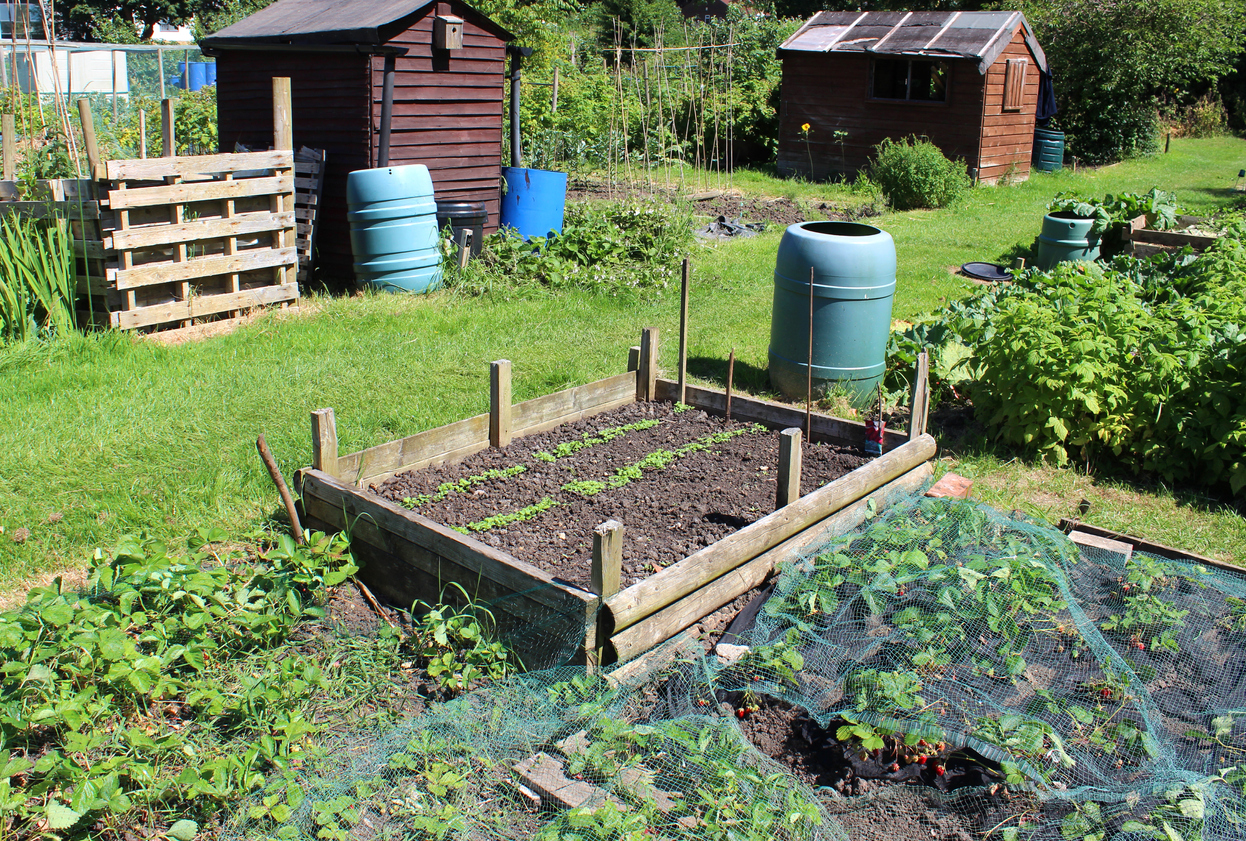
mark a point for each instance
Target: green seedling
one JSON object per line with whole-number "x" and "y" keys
{"x": 462, "y": 486}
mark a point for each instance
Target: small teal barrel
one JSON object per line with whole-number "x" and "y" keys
{"x": 1048, "y": 150}
{"x": 198, "y": 74}
{"x": 854, "y": 282}
{"x": 1066, "y": 236}
{"x": 393, "y": 228}
{"x": 533, "y": 201}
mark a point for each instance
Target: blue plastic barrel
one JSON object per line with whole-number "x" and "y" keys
{"x": 210, "y": 71}
{"x": 1048, "y": 150}
{"x": 393, "y": 228}
{"x": 854, "y": 282}
{"x": 533, "y": 201}
{"x": 198, "y": 75}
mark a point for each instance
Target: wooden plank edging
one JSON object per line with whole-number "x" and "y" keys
{"x": 670, "y": 620}
{"x": 646, "y": 597}
{"x": 1157, "y": 549}
{"x": 775, "y": 415}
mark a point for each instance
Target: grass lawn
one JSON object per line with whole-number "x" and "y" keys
{"x": 116, "y": 435}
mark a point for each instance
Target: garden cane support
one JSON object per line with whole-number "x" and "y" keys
{"x": 295, "y": 526}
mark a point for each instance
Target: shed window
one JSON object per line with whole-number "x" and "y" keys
{"x": 917, "y": 81}
{"x": 1014, "y": 84}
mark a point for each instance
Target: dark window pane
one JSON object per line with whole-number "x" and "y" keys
{"x": 890, "y": 79}
{"x": 929, "y": 81}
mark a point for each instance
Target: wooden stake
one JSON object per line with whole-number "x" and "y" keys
{"x": 633, "y": 358}
{"x": 1167, "y": 140}
{"x": 88, "y": 139}
{"x": 553, "y": 105}
{"x": 1018, "y": 263}
{"x": 500, "y": 403}
{"x": 283, "y": 130}
{"x": 920, "y": 402}
{"x": 168, "y": 139}
{"x": 465, "y": 250}
{"x": 142, "y": 134}
{"x": 8, "y": 127}
{"x": 683, "y": 334}
{"x": 324, "y": 441}
{"x": 646, "y": 384}
{"x": 607, "y": 571}
{"x": 295, "y": 526}
{"x": 730, "y": 377}
{"x": 789, "y": 468}
{"x": 809, "y": 369}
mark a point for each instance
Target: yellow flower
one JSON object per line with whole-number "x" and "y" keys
{"x": 805, "y": 128}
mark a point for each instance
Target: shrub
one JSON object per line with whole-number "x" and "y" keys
{"x": 914, "y": 173}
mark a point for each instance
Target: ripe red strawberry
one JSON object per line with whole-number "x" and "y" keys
{"x": 740, "y": 713}
{"x": 921, "y": 760}
{"x": 895, "y": 766}
{"x": 1140, "y": 645}
{"x": 1105, "y": 692}
{"x": 939, "y": 770}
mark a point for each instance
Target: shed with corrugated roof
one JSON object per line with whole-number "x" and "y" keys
{"x": 969, "y": 81}
{"x": 386, "y": 82}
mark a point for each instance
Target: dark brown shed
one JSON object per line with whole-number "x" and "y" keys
{"x": 969, "y": 81}
{"x": 446, "y": 107}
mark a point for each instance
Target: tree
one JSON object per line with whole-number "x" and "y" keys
{"x": 1110, "y": 59}
{"x": 93, "y": 20}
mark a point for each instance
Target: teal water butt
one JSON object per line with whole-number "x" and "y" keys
{"x": 1066, "y": 236}
{"x": 854, "y": 282}
{"x": 1048, "y": 150}
{"x": 393, "y": 228}
{"x": 533, "y": 201}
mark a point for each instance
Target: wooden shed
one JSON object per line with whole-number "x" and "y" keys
{"x": 969, "y": 81}
{"x": 419, "y": 81}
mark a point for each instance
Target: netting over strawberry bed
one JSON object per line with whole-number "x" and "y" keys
{"x": 946, "y": 671}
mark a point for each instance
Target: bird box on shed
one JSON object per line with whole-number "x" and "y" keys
{"x": 448, "y": 33}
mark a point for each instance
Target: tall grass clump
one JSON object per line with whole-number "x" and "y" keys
{"x": 913, "y": 173}
{"x": 37, "y": 279}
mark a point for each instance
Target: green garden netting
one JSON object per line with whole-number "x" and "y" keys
{"x": 947, "y": 672}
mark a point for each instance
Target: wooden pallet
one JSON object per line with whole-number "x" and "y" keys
{"x": 308, "y": 186}
{"x": 198, "y": 238}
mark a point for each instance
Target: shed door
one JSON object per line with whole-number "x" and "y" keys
{"x": 1014, "y": 83}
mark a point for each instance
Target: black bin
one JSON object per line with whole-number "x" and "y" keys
{"x": 463, "y": 215}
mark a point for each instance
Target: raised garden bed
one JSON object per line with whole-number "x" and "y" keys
{"x": 1192, "y": 231}
{"x": 410, "y": 557}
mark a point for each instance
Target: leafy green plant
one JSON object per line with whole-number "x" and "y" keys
{"x": 1158, "y": 206}
{"x": 528, "y": 512}
{"x": 38, "y": 281}
{"x": 462, "y": 485}
{"x": 457, "y": 644}
{"x": 913, "y": 173}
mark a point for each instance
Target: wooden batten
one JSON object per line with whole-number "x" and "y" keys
{"x": 685, "y": 612}
{"x": 680, "y": 579}
{"x": 826, "y": 428}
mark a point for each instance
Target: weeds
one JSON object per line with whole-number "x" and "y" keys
{"x": 457, "y": 647}
{"x": 37, "y": 278}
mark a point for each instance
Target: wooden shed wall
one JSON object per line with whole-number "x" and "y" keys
{"x": 1008, "y": 136}
{"x": 830, "y": 91}
{"x": 448, "y": 109}
{"x": 331, "y": 95}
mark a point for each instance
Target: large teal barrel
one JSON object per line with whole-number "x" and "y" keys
{"x": 533, "y": 201}
{"x": 1066, "y": 236}
{"x": 854, "y": 282}
{"x": 1048, "y": 150}
{"x": 393, "y": 228}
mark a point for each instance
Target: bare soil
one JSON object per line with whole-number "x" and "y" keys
{"x": 667, "y": 513}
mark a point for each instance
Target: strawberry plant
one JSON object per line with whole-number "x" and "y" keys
{"x": 456, "y": 644}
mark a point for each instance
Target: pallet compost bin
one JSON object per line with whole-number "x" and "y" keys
{"x": 407, "y": 557}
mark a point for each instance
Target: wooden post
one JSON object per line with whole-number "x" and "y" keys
{"x": 1167, "y": 140}
{"x": 500, "y": 403}
{"x": 9, "y": 129}
{"x": 88, "y": 138}
{"x": 168, "y": 139}
{"x": 553, "y": 105}
{"x": 324, "y": 441}
{"x": 646, "y": 384}
{"x": 1018, "y": 263}
{"x": 633, "y": 358}
{"x": 160, "y": 70}
{"x": 112, "y": 55}
{"x": 789, "y": 468}
{"x": 683, "y": 334}
{"x": 142, "y": 134}
{"x": 465, "y": 249}
{"x": 921, "y": 396}
{"x": 607, "y": 572}
{"x": 730, "y": 378}
{"x": 283, "y": 130}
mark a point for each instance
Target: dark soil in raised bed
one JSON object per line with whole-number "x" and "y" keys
{"x": 667, "y": 513}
